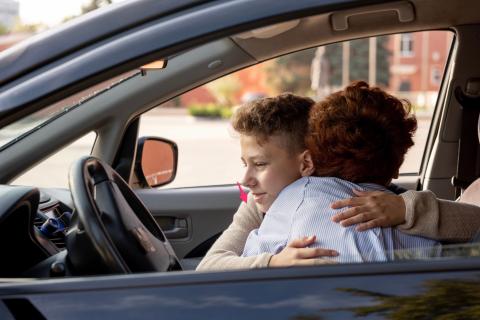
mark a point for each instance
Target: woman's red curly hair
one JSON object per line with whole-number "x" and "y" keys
{"x": 360, "y": 134}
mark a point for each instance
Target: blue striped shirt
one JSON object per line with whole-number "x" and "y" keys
{"x": 303, "y": 209}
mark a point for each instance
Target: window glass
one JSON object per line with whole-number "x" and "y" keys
{"x": 53, "y": 172}
{"x": 406, "y": 45}
{"x": 18, "y": 129}
{"x": 409, "y": 66}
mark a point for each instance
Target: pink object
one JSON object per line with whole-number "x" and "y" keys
{"x": 243, "y": 194}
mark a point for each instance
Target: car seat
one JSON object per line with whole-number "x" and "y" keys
{"x": 471, "y": 194}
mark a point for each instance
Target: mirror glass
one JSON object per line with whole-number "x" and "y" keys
{"x": 158, "y": 162}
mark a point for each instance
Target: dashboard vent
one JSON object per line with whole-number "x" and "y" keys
{"x": 59, "y": 241}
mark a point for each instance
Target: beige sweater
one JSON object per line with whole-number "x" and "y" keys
{"x": 425, "y": 216}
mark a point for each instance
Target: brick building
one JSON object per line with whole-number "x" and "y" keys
{"x": 417, "y": 64}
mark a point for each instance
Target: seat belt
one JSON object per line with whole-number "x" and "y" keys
{"x": 468, "y": 144}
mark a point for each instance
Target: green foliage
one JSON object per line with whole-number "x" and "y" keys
{"x": 94, "y": 4}
{"x": 90, "y": 6}
{"x": 209, "y": 110}
{"x": 29, "y": 28}
{"x": 3, "y": 29}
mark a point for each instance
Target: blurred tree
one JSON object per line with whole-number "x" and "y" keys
{"x": 3, "y": 29}
{"x": 358, "y": 61}
{"x": 28, "y": 28}
{"x": 291, "y": 72}
{"x": 95, "y": 4}
{"x": 226, "y": 89}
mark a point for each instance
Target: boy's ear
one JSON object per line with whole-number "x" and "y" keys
{"x": 307, "y": 167}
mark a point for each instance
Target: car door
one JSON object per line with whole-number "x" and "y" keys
{"x": 372, "y": 291}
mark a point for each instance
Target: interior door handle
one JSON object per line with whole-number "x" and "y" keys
{"x": 176, "y": 230}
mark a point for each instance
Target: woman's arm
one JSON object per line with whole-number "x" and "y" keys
{"x": 414, "y": 212}
{"x": 439, "y": 219}
{"x": 226, "y": 252}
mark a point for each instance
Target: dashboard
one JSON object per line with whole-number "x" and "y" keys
{"x": 33, "y": 225}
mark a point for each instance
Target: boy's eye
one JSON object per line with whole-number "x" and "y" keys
{"x": 260, "y": 164}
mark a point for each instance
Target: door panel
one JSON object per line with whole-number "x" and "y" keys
{"x": 191, "y": 217}
{"x": 409, "y": 182}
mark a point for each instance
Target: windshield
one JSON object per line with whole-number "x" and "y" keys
{"x": 19, "y": 129}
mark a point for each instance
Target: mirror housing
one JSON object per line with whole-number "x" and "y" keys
{"x": 156, "y": 161}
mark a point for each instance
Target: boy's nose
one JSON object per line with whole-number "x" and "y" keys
{"x": 248, "y": 179}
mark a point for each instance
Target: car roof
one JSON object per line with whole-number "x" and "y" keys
{"x": 77, "y": 33}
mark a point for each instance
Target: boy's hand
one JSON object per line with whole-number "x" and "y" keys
{"x": 296, "y": 253}
{"x": 370, "y": 209}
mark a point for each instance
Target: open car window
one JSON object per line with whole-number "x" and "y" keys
{"x": 408, "y": 65}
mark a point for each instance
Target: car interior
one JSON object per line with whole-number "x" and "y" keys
{"x": 194, "y": 217}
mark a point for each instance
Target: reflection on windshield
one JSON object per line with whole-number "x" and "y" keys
{"x": 18, "y": 129}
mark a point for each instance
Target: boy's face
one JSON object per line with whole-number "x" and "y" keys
{"x": 269, "y": 168}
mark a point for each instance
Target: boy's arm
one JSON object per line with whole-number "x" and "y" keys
{"x": 226, "y": 252}
{"x": 438, "y": 219}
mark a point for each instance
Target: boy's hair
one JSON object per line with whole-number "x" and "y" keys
{"x": 360, "y": 134}
{"x": 286, "y": 114}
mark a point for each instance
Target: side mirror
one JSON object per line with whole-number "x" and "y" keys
{"x": 156, "y": 161}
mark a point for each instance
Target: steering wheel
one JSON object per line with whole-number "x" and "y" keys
{"x": 120, "y": 229}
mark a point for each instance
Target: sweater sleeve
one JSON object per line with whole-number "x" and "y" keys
{"x": 438, "y": 219}
{"x": 226, "y": 252}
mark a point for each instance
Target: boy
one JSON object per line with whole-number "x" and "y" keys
{"x": 357, "y": 140}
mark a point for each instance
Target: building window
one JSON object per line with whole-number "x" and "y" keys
{"x": 406, "y": 45}
{"x": 405, "y": 86}
{"x": 435, "y": 76}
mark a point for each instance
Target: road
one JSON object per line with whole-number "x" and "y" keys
{"x": 209, "y": 152}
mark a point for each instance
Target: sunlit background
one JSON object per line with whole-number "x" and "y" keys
{"x": 36, "y": 14}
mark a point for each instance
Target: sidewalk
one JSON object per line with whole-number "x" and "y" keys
{"x": 180, "y": 111}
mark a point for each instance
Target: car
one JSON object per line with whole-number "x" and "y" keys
{"x": 116, "y": 245}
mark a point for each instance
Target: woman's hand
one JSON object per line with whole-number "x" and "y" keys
{"x": 370, "y": 209}
{"x": 296, "y": 253}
